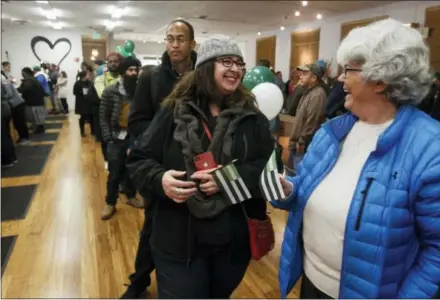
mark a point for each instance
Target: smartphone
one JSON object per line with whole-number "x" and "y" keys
{"x": 204, "y": 161}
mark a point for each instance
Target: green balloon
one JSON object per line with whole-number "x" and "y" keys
{"x": 258, "y": 75}
{"x": 129, "y": 46}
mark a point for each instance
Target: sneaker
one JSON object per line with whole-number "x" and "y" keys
{"x": 108, "y": 212}
{"x": 106, "y": 165}
{"x": 23, "y": 142}
{"x": 135, "y": 202}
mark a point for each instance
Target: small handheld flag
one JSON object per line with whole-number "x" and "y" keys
{"x": 231, "y": 184}
{"x": 270, "y": 184}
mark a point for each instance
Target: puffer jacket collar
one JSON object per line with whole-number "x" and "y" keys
{"x": 341, "y": 126}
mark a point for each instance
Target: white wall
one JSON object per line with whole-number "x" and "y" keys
{"x": 147, "y": 48}
{"x": 406, "y": 11}
{"x": 17, "y": 41}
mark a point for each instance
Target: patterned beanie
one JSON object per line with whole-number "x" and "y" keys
{"x": 216, "y": 46}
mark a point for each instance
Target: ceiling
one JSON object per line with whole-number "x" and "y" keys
{"x": 147, "y": 20}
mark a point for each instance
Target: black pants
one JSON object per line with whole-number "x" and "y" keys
{"x": 144, "y": 264}
{"x": 309, "y": 291}
{"x": 19, "y": 120}
{"x": 82, "y": 121}
{"x": 65, "y": 105}
{"x": 8, "y": 148}
{"x": 97, "y": 128}
{"x": 209, "y": 277}
{"x": 117, "y": 155}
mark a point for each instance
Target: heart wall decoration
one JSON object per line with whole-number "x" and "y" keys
{"x": 38, "y": 39}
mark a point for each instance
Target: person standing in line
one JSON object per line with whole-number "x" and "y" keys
{"x": 18, "y": 110}
{"x": 101, "y": 82}
{"x": 33, "y": 94}
{"x": 113, "y": 117}
{"x": 152, "y": 88}
{"x": 8, "y": 155}
{"x": 62, "y": 91}
{"x": 83, "y": 103}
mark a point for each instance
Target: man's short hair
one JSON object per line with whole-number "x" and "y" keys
{"x": 6, "y": 63}
{"x": 190, "y": 27}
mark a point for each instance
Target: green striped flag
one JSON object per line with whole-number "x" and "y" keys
{"x": 231, "y": 184}
{"x": 270, "y": 184}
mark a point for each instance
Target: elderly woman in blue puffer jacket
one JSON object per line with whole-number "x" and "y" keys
{"x": 364, "y": 207}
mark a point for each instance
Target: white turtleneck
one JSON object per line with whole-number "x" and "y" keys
{"x": 326, "y": 211}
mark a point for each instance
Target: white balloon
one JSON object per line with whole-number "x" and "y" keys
{"x": 269, "y": 98}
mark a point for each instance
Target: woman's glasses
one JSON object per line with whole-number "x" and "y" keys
{"x": 228, "y": 63}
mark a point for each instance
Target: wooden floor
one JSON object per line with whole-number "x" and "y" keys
{"x": 64, "y": 250}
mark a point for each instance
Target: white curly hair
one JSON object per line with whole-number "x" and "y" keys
{"x": 392, "y": 53}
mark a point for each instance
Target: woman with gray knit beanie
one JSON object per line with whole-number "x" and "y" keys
{"x": 200, "y": 237}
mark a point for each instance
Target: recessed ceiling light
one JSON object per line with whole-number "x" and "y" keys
{"x": 259, "y": 33}
{"x": 95, "y": 52}
{"x": 304, "y": 3}
{"x": 43, "y": 2}
{"x": 297, "y": 13}
{"x": 319, "y": 16}
{"x": 56, "y": 25}
{"x": 117, "y": 12}
{"x": 144, "y": 41}
{"x": 282, "y": 28}
{"x": 51, "y": 14}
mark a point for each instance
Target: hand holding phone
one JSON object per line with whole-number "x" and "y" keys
{"x": 205, "y": 161}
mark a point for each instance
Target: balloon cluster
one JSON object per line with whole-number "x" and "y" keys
{"x": 260, "y": 81}
{"x": 127, "y": 49}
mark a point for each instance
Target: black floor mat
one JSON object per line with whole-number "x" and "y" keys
{"x": 24, "y": 152}
{"x": 15, "y": 201}
{"x": 53, "y": 125}
{"x": 56, "y": 117}
{"x": 7, "y": 246}
{"x": 30, "y": 166}
{"x": 45, "y": 137}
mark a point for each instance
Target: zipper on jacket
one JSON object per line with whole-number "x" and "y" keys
{"x": 364, "y": 198}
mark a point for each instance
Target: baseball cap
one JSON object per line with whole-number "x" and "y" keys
{"x": 314, "y": 68}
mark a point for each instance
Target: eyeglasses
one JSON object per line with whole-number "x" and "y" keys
{"x": 179, "y": 40}
{"x": 228, "y": 63}
{"x": 347, "y": 69}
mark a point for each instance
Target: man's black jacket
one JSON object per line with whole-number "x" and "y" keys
{"x": 152, "y": 88}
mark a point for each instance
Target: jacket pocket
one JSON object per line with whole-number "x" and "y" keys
{"x": 362, "y": 206}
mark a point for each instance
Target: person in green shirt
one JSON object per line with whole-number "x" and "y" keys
{"x": 101, "y": 82}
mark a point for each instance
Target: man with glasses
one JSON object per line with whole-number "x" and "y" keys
{"x": 153, "y": 86}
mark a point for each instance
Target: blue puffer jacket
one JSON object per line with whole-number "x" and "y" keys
{"x": 392, "y": 236}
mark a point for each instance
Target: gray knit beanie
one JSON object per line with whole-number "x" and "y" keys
{"x": 216, "y": 46}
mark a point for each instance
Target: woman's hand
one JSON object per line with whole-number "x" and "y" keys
{"x": 208, "y": 184}
{"x": 177, "y": 190}
{"x": 287, "y": 185}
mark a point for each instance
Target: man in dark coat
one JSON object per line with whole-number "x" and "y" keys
{"x": 153, "y": 86}
{"x": 83, "y": 104}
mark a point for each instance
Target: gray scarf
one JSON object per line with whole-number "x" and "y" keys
{"x": 186, "y": 133}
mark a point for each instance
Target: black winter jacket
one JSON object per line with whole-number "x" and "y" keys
{"x": 153, "y": 87}
{"x": 83, "y": 103}
{"x": 32, "y": 92}
{"x": 175, "y": 230}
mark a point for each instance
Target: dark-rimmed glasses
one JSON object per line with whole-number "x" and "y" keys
{"x": 348, "y": 69}
{"x": 228, "y": 63}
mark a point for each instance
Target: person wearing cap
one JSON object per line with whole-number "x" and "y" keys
{"x": 200, "y": 240}
{"x": 310, "y": 112}
{"x": 42, "y": 78}
{"x": 101, "y": 82}
{"x": 364, "y": 207}
{"x": 115, "y": 104}
{"x": 153, "y": 86}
